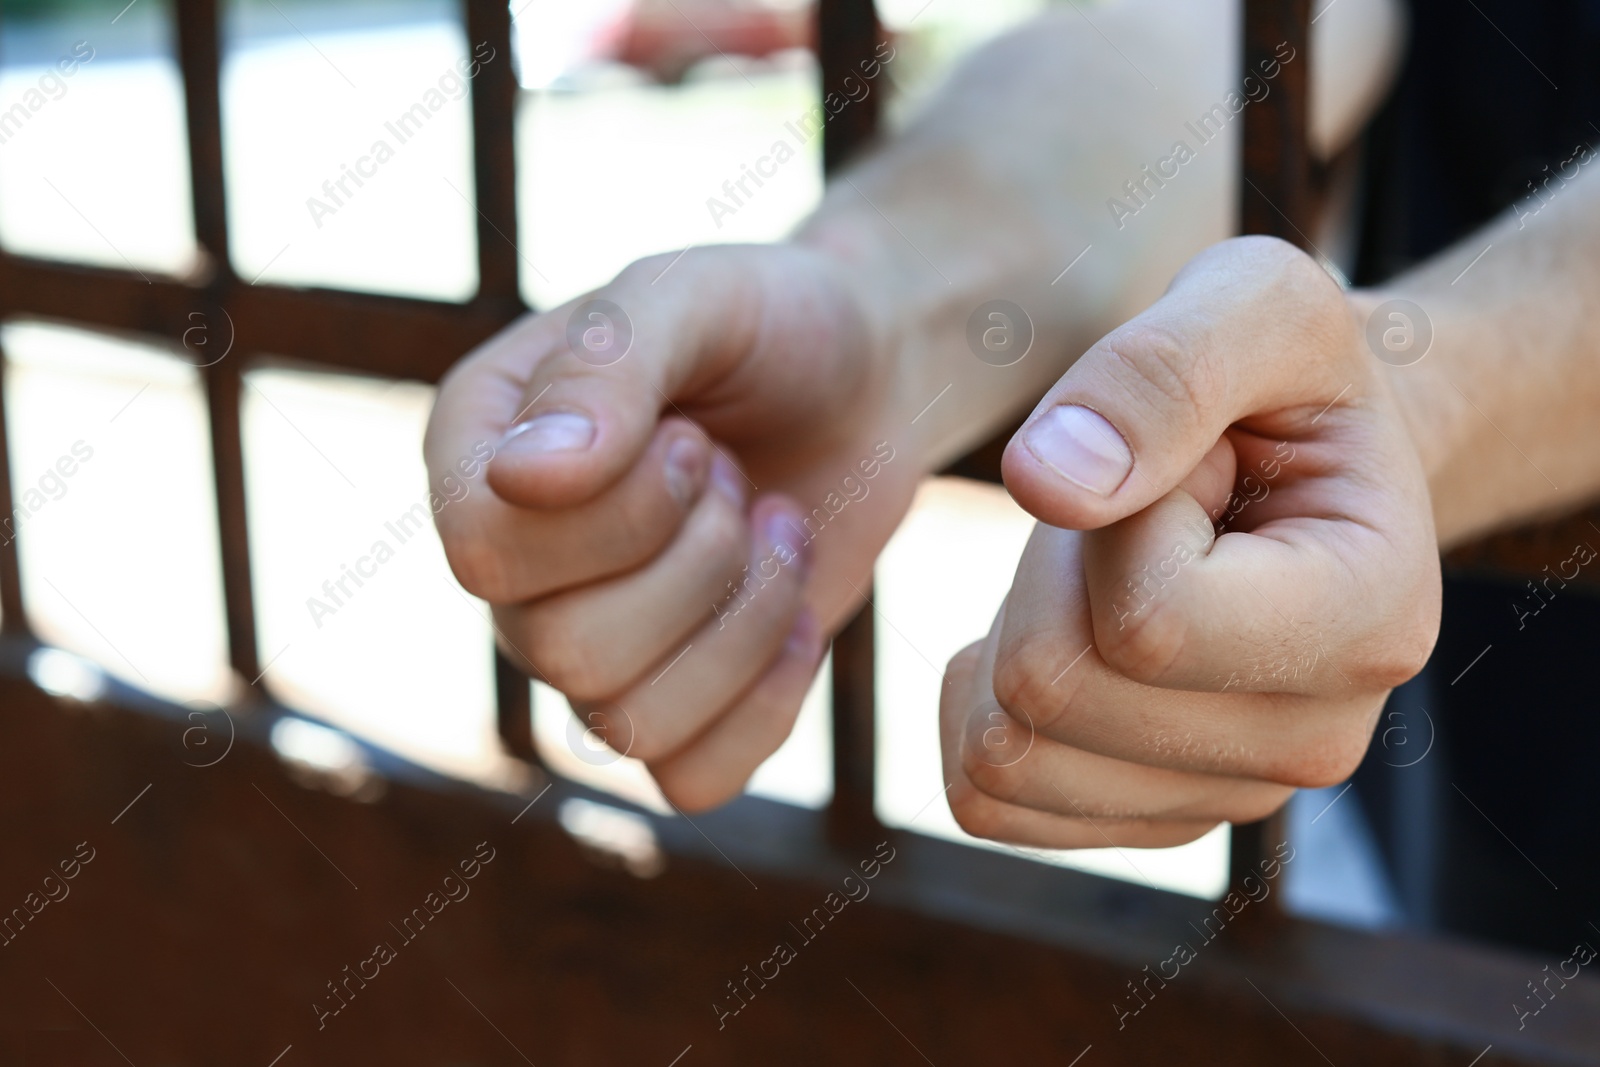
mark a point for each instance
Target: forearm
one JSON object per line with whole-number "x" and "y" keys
{"x": 1503, "y": 407}
{"x": 1045, "y": 152}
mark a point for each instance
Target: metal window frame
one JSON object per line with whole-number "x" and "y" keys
{"x": 1395, "y": 999}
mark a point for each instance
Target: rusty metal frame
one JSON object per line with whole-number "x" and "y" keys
{"x": 1083, "y": 931}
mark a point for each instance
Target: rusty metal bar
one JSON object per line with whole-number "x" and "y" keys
{"x": 1275, "y": 198}
{"x": 199, "y": 56}
{"x": 15, "y": 620}
{"x": 494, "y": 109}
{"x": 1275, "y": 190}
{"x": 847, "y": 35}
{"x": 494, "y": 166}
{"x": 851, "y": 816}
{"x": 199, "y": 46}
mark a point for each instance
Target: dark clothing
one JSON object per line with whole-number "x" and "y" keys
{"x": 1496, "y": 832}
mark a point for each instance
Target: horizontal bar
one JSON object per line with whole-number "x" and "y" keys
{"x": 392, "y": 336}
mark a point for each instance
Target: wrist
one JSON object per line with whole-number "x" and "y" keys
{"x": 854, "y": 251}
{"x": 1430, "y": 409}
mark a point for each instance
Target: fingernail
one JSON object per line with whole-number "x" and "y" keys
{"x": 554, "y": 431}
{"x": 728, "y": 479}
{"x": 1082, "y": 447}
{"x": 686, "y": 469}
{"x": 784, "y": 530}
{"x": 804, "y": 635}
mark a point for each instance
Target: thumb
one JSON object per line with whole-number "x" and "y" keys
{"x": 573, "y": 396}
{"x": 1234, "y": 336}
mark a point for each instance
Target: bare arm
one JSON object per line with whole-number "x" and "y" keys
{"x": 1010, "y": 173}
{"x": 1503, "y": 406}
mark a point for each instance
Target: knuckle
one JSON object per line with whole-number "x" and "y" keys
{"x": 693, "y": 792}
{"x": 1165, "y": 367}
{"x": 977, "y": 813}
{"x": 1326, "y": 763}
{"x": 477, "y": 564}
{"x": 1024, "y": 668}
{"x": 1144, "y": 644}
{"x": 1001, "y": 782}
{"x": 564, "y": 654}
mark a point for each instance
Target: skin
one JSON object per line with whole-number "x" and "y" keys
{"x": 1234, "y": 379}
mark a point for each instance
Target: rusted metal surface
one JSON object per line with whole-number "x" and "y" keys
{"x": 851, "y": 815}
{"x": 847, "y": 35}
{"x": 494, "y": 109}
{"x": 222, "y": 900}
{"x": 13, "y": 617}
{"x": 396, "y": 337}
{"x": 1275, "y": 198}
{"x": 1275, "y": 191}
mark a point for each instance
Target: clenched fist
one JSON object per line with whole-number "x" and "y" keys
{"x": 694, "y": 469}
{"x": 1236, "y": 562}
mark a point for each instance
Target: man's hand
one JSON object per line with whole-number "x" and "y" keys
{"x": 1259, "y": 568}
{"x": 707, "y": 463}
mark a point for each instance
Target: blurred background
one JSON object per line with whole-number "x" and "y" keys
{"x": 632, "y": 113}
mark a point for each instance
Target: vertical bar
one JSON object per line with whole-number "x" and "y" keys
{"x": 1275, "y": 198}
{"x": 494, "y": 110}
{"x": 514, "y": 709}
{"x": 1275, "y": 193}
{"x": 199, "y": 46}
{"x": 851, "y": 817}
{"x": 847, "y": 36}
{"x": 494, "y": 175}
{"x": 14, "y": 622}
{"x": 199, "y": 55}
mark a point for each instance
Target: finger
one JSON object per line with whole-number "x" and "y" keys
{"x": 1004, "y": 757}
{"x": 725, "y": 656}
{"x": 1316, "y": 603}
{"x": 1141, "y": 407}
{"x": 714, "y": 767}
{"x": 572, "y": 396}
{"x": 982, "y": 815}
{"x": 598, "y": 639}
{"x": 507, "y": 554}
{"x": 1049, "y": 669}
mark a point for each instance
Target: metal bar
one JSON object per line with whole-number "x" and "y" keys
{"x": 1275, "y": 193}
{"x": 494, "y": 109}
{"x": 15, "y": 620}
{"x": 494, "y": 167}
{"x": 851, "y": 817}
{"x": 198, "y": 56}
{"x": 1275, "y": 198}
{"x": 360, "y": 332}
{"x": 847, "y": 36}
{"x": 199, "y": 46}
{"x": 514, "y": 709}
